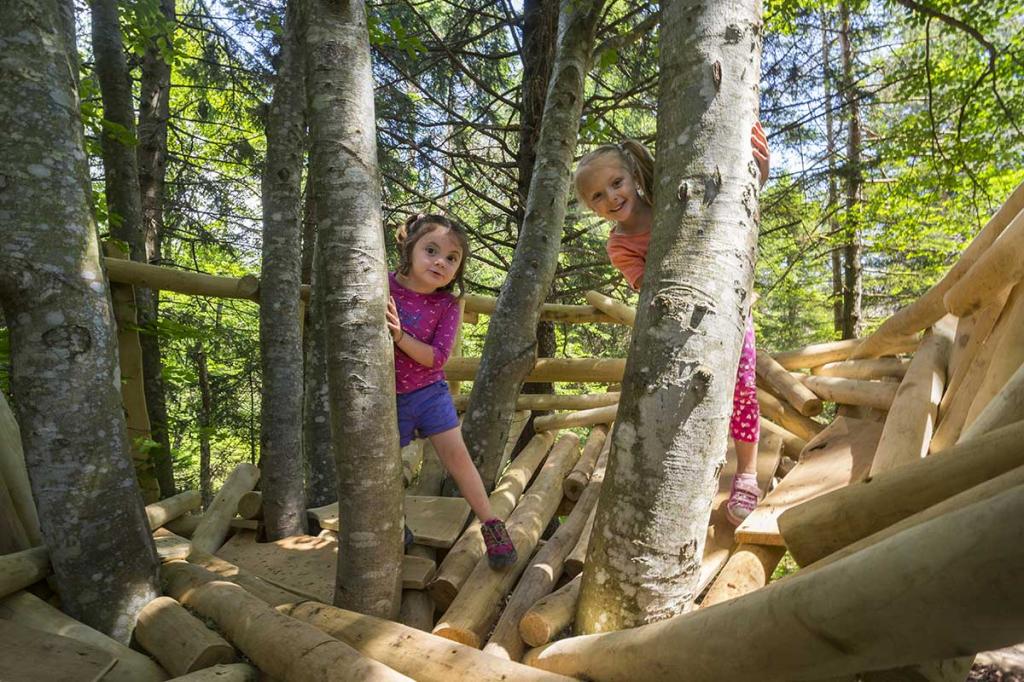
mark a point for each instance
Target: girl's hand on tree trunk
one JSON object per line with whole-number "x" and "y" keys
{"x": 762, "y": 154}
{"x": 394, "y": 323}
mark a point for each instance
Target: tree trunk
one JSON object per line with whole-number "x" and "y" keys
{"x": 670, "y": 436}
{"x": 852, "y": 279}
{"x": 205, "y": 423}
{"x": 510, "y": 350}
{"x": 360, "y": 354}
{"x": 284, "y": 498}
{"x": 56, "y": 302}
{"x": 833, "y": 191}
{"x": 322, "y": 482}
{"x": 154, "y": 111}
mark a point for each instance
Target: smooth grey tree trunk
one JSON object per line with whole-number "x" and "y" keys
{"x": 836, "y": 255}
{"x": 322, "y": 475}
{"x": 852, "y": 270}
{"x": 284, "y": 494}
{"x": 57, "y": 305}
{"x": 154, "y": 112}
{"x": 510, "y": 350}
{"x": 671, "y": 432}
{"x": 360, "y": 353}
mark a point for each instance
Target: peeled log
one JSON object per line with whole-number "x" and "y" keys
{"x": 1007, "y": 407}
{"x": 233, "y": 672}
{"x": 24, "y": 608}
{"x": 930, "y": 307}
{"x": 793, "y": 628}
{"x": 619, "y": 311}
{"x": 548, "y": 370}
{"x": 551, "y": 614}
{"x": 279, "y": 646}
{"x": 998, "y": 269}
{"x": 250, "y": 506}
{"x": 159, "y": 513}
{"x": 417, "y": 609}
{"x": 833, "y": 351}
{"x": 178, "y": 639}
{"x": 409, "y": 651}
{"x": 464, "y": 555}
{"x": 908, "y": 428}
{"x": 792, "y": 444}
{"x": 875, "y": 394}
{"x": 568, "y": 420}
{"x": 828, "y": 523}
{"x": 786, "y": 416}
{"x": 749, "y": 568}
{"x": 15, "y": 474}
{"x": 577, "y": 480}
{"x": 473, "y": 612}
{"x": 557, "y": 401}
{"x": 971, "y": 334}
{"x": 871, "y": 368}
{"x": 213, "y": 529}
{"x": 204, "y": 563}
{"x": 1007, "y": 355}
{"x": 784, "y": 384}
{"x": 574, "y": 562}
{"x": 21, "y": 569}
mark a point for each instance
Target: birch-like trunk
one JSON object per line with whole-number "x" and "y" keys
{"x": 284, "y": 494}
{"x": 510, "y": 350}
{"x": 322, "y": 481}
{"x": 57, "y": 305}
{"x": 672, "y": 428}
{"x": 154, "y": 112}
{"x": 360, "y": 353}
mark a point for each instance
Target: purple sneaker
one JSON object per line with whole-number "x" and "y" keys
{"x": 501, "y": 553}
{"x": 742, "y": 498}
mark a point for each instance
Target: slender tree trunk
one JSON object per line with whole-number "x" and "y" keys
{"x": 671, "y": 434}
{"x": 55, "y": 299}
{"x": 510, "y": 350}
{"x": 361, "y": 373}
{"x": 205, "y": 424}
{"x": 833, "y": 191}
{"x": 154, "y": 112}
{"x": 284, "y": 495}
{"x": 852, "y": 279}
{"x": 322, "y": 486}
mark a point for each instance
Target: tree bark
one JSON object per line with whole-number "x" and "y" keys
{"x": 322, "y": 482}
{"x": 836, "y": 255}
{"x": 284, "y": 495}
{"x": 510, "y": 350}
{"x": 154, "y": 112}
{"x": 361, "y": 373}
{"x": 852, "y": 277}
{"x": 670, "y": 435}
{"x": 57, "y": 306}
{"x": 205, "y": 422}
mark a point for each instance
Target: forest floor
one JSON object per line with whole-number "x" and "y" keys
{"x": 1004, "y": 665}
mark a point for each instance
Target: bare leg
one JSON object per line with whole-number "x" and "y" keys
{"x": 454, "y": 456}
{"x": 746, "y": 457}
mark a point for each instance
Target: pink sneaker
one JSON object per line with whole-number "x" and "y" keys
{"x": 742, "y": 498}
{"x": 501, "y": 553}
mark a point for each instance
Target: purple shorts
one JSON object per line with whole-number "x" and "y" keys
{"x": 425, "y": 412}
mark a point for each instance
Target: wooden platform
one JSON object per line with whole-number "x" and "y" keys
{"x": 838, "y": 456}
{"x": 434, "y": 521}
{"x": 307, "y": 565}
{"x": 30, "y": 654}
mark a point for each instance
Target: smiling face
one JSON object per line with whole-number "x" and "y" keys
{"x": 608, "y": 189}
{"x": 434, "y": 261}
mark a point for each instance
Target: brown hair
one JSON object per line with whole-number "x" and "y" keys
{"x": 633, "y": 156}
{"x": 420, "y": 225}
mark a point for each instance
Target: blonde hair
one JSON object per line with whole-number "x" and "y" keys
{"x": 633, "y": 156}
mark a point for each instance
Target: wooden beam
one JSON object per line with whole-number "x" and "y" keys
{"x": 568, "y": 420}
{"x": 996, "y": 270}
{"x": 181, "y": 281}
{"x": 787, "y": 386}
{"x": 621, "y": 312}
{"x": 21, "y": 569}
{"x": 866, "y": 370}
{"x": 178, "y": 639}
{"x": 875, "y": 394}
{"x": 15, "y": 474}
{"x": 213, "y": 529}
{"x": 163, "y": 511}
{"x": 1006, "y": 408}
{"x": 597, "y": 444}
{"x": 548, "y": 370}
{"x": 551, "y": 614}
{"x": 232, "y": 672}
{"x": 817, "y": 354}
{"x": 555, "y": 312}
{"x": 557, "y": 401}
{"x": 786, "y": 416}
{"x": 749, "y": 568}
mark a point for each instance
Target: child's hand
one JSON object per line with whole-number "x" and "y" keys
{"x": 762, "y": 154}
{"x": 394, "y": 324}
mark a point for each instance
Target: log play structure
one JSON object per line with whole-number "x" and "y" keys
{"x": 905, "y": 513}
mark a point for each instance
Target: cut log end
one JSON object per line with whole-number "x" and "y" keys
{"x": 460, "y": 635}
{"x": 535, "y": 630}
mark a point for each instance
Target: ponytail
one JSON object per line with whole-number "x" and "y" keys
{"x": 641, "y": 164}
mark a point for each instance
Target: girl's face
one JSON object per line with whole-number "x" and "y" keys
{"x": 608, "y": 189}
{"x": 434, "y": 260}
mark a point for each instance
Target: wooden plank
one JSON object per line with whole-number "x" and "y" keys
{"x": 307, "y": 565}
{"x": 720, "y": 540}
{"x": 434, "y": 521}
{"x": 170, "y": 546}
{"x": 838, "y": 456}
{"x": 29, "y": 654}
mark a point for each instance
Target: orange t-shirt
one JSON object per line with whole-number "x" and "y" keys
{"x": 628, "y": 253}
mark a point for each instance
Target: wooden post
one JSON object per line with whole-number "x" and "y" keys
{"x": 786, "y": 416}
{"x": 551, "y": 614}
{"x": 828, "y": 523}
{"x": 278, "y": 645}
{"x": 568, "y": 420}
{"x": 21, "y": 569}
{"x": 15, "y": 475}
{"x": 930, "y": 307}
{"x": 817, "y": 354}
{"x": 607, "y": 370}
{"x": 464, "y": 555}
{"x": 547, "y": 401}
{"x": 232, "y": 672}
{"x": 200, "y": 564}
{"x": 250, "y": 505}
{"x": 555, "y": 312}
{"x": 875, "y": 394}
{"x": 792, "y": 444}
{"x": 164, "y": 511}
{"x": 178, "y": 639}
{"x": 749, "y": 568}
{"x": 621, "y": 312}
{"x": 1006, "y": 408}
{"x": 417, "y": 606}
{"x": 454, "y": 387}
{"x": 971, "y": 334}
{"x": 973, "y": 603}
{"x": 996, "y": 270}
{"x": 1007, "y": 354}
{"x": 474, "y": 610}
{"x": 24, "y": 608}
{"x": 868, "y": 369}
{"x": 181, "y": 281}
{"x": 133, "y": 394}
{"x": 576, "y": 481}
{"x": 213, "y": 529}
{"x": 908, "y": 428}
{"x": 784, "y": 384}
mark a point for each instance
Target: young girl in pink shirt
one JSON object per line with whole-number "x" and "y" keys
{"x": 423, "y": 318}
{"x": 615, "y": 181}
